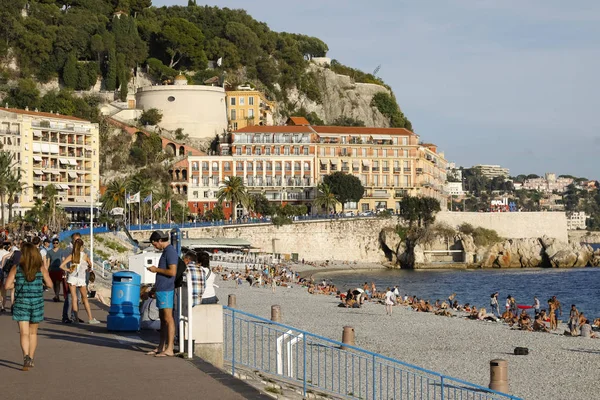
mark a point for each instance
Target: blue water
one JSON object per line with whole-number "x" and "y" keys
{"x": 572, "y": 286}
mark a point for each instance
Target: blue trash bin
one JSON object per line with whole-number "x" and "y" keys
{"x": 124, "y": 313}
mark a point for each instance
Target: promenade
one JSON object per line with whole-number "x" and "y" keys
{"x": 80, "y": 360}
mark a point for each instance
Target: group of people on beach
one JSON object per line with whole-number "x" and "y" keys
{"x": 37, "y": 264}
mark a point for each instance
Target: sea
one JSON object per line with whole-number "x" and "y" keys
{"x": 579, "y": 286}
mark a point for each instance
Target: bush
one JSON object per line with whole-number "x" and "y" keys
{"x": 466, "y": 228}
{"x": 152, "y": 116}
{"x": 386, "y": 104}
{"x": 485, "y": 237}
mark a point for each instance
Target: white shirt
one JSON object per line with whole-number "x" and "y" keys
{"x": 396, "y": 292}
{"x": 209, "y": 289}
{"x": 389, "y": 297}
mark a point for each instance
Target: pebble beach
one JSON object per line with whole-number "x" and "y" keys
{"x": 557, "y": 367}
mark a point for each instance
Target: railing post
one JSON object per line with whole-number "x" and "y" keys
{"x": 442, "y": 386}
{"x": 304, "y": 368}
{"x": 374, "y": 387}
{"x": 233, "y": 342}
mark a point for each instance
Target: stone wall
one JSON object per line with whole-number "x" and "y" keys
{"x": 584, "y": 236}
{"x": 339, "y": 240}
{"x": 513, "y": 225}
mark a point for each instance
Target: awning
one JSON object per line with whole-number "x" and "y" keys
{"x": 54, "y": 148}
{"x": 45, "y": 148}
{"x": 36, "y": 147}
{"x": 366, "y": 163}
{"x": 355, "y": 163}
{"x": 63, "y": 161}
{"x": 66, "y": 187}
{"x": 333, "y": 161}
{"x": 37, "y": 133}
{"x": 73, "y": 162}
{"x": 381, "y": 138}
{"x": 323, "y": 161}
{"x": 37, "y": 158}
{"x": 73, "y": 174}
{"x": 40, "y": 184}
{"x": 37, "y": 171}
{"x": 55, "y": 173}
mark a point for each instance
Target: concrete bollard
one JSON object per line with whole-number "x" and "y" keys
{"x": 499, "y": 376}
{"x": 276, "y": 313}
{"x": 348, "y": 336}
{"x": 231, "y": 301}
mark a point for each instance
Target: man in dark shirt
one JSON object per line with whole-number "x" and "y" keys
{"x": 165, "y": 291}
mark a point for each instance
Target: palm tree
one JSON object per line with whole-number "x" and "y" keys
{"x": 114, "y": 196}
{"x": 325, "y": 198}
{"x": 13, "y": 186}
{"x": 233, "y": 191}
{"x": 50, "y": 193}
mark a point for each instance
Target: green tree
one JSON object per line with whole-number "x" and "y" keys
{"x": 233, "y": 191}
{"x": 26, "y": 94}
{"x": 114, "y": 196}
{"x": 70, "y": 73}
{"x": 260, "y": 205}
{"x": 345, "y": 187}
{"x": 13, "y": 187}
{"x": 571, "y": 198}
{"x": 387, "y": 105}
{"x": 325, "y": 198}
{"x": 347, "y": 121}
{"x": 182, "y": 41}
{"x": 50, "y": 194}
{"x": 7, "y": 168}
{"x": 111, "y": 74}
{"x": 151, "y": 116}
{"x": 420, "y": 210}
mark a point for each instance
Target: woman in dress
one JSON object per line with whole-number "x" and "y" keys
{"x": 80, "y": 264}
{"x": 26, "y": 280}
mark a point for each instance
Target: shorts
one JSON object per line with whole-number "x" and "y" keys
{"x": 32, "y": 312}
{"x": 165, "y": 299}
{"x": 210, "y": 300}
{"x": 76, "y": 281}
{"x": 57, "y": 275}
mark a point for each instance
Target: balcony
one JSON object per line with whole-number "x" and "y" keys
{"x": 419, "y": 171}
{"x": 386, "y": 169}
{"x": 345, "y": 169}
{"x": 396, "y": 169}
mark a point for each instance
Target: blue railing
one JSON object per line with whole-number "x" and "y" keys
{"x": 320, "y": 364}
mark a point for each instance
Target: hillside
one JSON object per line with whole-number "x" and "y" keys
{"x": 51, "y": 48}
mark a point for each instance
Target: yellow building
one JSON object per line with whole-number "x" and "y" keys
{"x": 248, "y": 107}
{"x": 52, "y": 149}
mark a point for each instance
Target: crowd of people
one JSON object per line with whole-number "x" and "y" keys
{"x": 33, "y": 265}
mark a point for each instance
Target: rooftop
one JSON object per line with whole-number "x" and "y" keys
{"x": 41, "y": 114}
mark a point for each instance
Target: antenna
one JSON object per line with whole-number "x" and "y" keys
{"x": 376, "y": 70}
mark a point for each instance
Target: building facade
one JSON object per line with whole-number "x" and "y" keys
{"x": 548, "y": 184}
{"x": 455, "y": 188}
{"x": 52, "y": 149}
{"x": 576, "y": 220}
{"x": 248, "y": 107}
{"x": 286, "y": 163}
{"x": 492, "y": 171}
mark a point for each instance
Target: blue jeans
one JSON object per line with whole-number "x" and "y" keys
{"x": 495, "y": 310}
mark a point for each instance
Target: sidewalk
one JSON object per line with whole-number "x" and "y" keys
{"x": 87, "y": 361}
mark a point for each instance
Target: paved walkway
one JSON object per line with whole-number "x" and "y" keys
{"x": 89, "y": 362}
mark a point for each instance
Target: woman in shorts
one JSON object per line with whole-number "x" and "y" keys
{"x": 27, "y": 281}
{"x": 80, "y": 264}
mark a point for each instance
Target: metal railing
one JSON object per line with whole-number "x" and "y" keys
{"x": 320, "y": 364}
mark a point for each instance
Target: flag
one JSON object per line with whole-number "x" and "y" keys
{"x": 148, "y": 198}
{"x": 158, "y": 205}
{"x": 220, "y": 61}
{"x": 133, "y": 198}
{"x": 168, "y": 205}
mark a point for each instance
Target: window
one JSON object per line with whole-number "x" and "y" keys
{"x": 205, "y": 165}
{"x": 251, "y": 113}
{"x": 396, "y": 180}
{"x": 385, "y": 152}
{"x": 226, "y": 166}
{"x": 268, "y": 151}
{"x": 288, "y": 166}
{"x": 235, "y": 125}
{"x": 258, "y": 151}
{"x": 396, "y": 153}
{"x": 296, "y": 166}
{"x": 364, "y": 152}
{"x": 322, "y": 152}
{"x": 375, "y": 152}
{"x": 172, "y": 99}
{"x": 232, "y": 101}
{"x": 354, "y": 152}
{"x": 242, "y": 101}
{"x": 406, "y": 164}
{"x": 196, "y": 194}
{"x": 305, "y": 151}
{"x": 385, "y": 180}
{"x": 250, "y": 100}
{"x": 238, "y": 151}
{"x": 248, "y": 151}
{"x": 307, "y": 166}
{"x": 405, "y": 153}
{"x": 277, "y": 151}
{"x": 206, "y": 192}
{"x": 375, "y": 180}
{"x": 233, "y": 115}
{"x": 406, "y": 179}
{"x": 296, "y": 150}
{"x": 404, "y": 141}
{"x": 286, "y": 151}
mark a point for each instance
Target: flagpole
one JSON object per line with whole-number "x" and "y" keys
{"x": 140, "y": 214}
{"x": 151, "y": 213}
{"x": 126, "y": 216}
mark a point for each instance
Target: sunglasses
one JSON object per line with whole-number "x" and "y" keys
{"x": 54, "y": 242}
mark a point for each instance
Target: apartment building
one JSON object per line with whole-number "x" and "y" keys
{"x": 286, "y": 163}
{"x": 52, "y": 149}
{"x": 492, "y": 171}
{"x": 548, "y": 184}
{"x": 576, "y": 220}
{"x": 248, "y": 107}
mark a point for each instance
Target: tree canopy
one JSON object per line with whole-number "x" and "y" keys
{"x": 345, "y": 187}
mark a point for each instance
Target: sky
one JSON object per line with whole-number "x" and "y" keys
{"x": 504, "y": 82}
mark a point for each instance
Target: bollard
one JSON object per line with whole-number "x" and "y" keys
{"x": 231, "y": 301}
{"x": 276, "y": 313}
{"x": 348, "y": 336}
{"x": 499, "y": 376}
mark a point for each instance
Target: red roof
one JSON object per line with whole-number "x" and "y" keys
{"x": 348, "y": 130}
{"x": 41, "y": 114}
{"x": 298, "y": 121}
{"x": 275, "y": 129}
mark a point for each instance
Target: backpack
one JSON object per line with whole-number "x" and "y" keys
{"x": 181, "y": 267}
{"x": 8, "y": 264}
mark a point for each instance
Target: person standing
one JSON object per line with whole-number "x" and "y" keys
{"x": 536, "y": 305}
{"x": 80, "y": 264}
{"x": 54, "y": 257}
{"x": 165, "y": 291}
{"x": 210, "y": 296}
{"x": 390, "y": 299}
{"x": 27, "y": 282}
{"x": 574, "y": 320}
{"x": 494, "y": 304}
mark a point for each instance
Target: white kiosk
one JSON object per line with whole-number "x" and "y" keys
{"x": 139, "y": 262}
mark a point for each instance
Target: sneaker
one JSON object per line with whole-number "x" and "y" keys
{"x": 27, "y": 363}
{"x": 93, "y": 321}
{"x": 66, "y": 321}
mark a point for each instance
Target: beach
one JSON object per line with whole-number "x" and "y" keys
{"x": 557, "y": 367}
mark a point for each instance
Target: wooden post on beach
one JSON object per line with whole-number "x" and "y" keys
{"x": 231, "y": 301}
{"x": 499, "y": 375}
{"x": 276, "y": 313}
{"x": 348, "y": 336}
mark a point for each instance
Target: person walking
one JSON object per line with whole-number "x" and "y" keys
{"x": 536, "y": 305}
{"x": 494, "y": 304}
{"x": 165, "y": 292}
{"x": 390, "y": 299}
{"x": 80, "y": 264}
{"x": 27, "y": 282}
{"x": 54, "y": 257}
{"x": 574, "y": 320}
